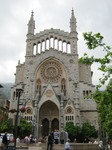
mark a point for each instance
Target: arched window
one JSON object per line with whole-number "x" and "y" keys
{"x": 34, "y": 49}
{"x": 39, "y": 47}
{"x": 60, "y": 45}
{"x": 63, "y": 86}
{"x": 43, "y": 45}
{"x": 47, "y": 43}
{"x": 69, "y": 114}
{"x": 39, "y": 87}
{"x": 68, "y": 48}
{"x": 55, "y": 43}
{"x": 51, "y": 42}
{"x": 64, "y": 47}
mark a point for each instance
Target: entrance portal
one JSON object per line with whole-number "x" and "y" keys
{"x": 55, "y": 124}
{"x": 48, "y": 118}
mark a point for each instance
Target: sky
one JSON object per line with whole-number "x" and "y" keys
{"x": 91, "y": 15}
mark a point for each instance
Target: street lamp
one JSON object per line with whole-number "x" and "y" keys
{"x": 18, "y": 95}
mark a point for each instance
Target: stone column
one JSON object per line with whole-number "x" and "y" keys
{"x": 36, "y": 119}
{"x": 77, "y": 110}
{"x": 61, "y": 113}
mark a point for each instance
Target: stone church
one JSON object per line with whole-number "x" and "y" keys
{"x": 56, "y": 86}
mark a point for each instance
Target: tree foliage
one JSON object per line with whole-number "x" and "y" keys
{"x": 88, "y": 131}
{"x": 103, "y": 98}
{"x": 104, "y": 101}
{"x": 93, "y": 42}
{"x": 70, "y": 128}
{"x": 6, "y": 126}
{"x": 24, "y": 128}
{"x": 80, "y": 133}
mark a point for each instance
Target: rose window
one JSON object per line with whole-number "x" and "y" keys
{"x": 69, "y": 110}
{"x": 51, "y": 71}
{"x": 29, "y": 110}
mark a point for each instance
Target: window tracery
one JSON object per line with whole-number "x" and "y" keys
{"x": 51, "y": 71}
{"x": 69, "y": 117}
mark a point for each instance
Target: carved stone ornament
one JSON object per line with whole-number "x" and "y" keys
{"x": 49, "y": 93}
{"x": 69, "y": 110}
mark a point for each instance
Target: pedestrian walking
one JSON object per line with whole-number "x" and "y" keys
{"x": 67, "y": 146}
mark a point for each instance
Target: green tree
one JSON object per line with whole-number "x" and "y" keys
{"x": 88, "y": 131}
{"x": 25, "y": 128}
{"x": 104, "y": 101}
{"x": 6, "y": 126}
{"x": 103, "y": 98}
{"x": 80, "y": 133}
{"x": 70, "y": 128}
{"x": 95, "y": 41}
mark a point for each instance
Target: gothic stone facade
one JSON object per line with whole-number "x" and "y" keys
{"x": 56, "y": 85}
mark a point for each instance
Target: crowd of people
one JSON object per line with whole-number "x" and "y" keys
{"x": 6, "y": 141}
{"x": 57, "y": 137}
{"x": 29, "y": 139}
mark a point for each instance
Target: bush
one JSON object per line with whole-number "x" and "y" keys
{"x": 80, "y": 133}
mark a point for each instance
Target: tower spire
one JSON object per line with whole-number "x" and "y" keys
{"x": 31, "y": 24}
{"x": 73, "y": 33}
{"x": 72, "y": 22}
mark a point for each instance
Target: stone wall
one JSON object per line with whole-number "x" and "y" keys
{"x": 76, "y": 146}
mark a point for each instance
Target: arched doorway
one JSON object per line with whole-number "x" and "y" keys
{"x": 45, "y": 127}
{"x": 55, "y": 124}
{"x": 48, "y": 117}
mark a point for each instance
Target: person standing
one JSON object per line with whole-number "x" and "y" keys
{"x": 50, "y": 142}
{"x": 56, "y": 137}
{"x": 66, "y": 135}
{"x": 27, "y": 140}
{"x": 62, "y": 137}
{"x": 67, "y": 146}
{"x": 18, "y": 140}
{"x": 5, "y": 141}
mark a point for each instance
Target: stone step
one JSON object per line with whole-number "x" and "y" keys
{"x": 55, "y": 147}
{"x": 73, "y": 146}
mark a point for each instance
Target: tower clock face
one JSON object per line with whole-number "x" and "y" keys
{"x": 51, "y": 71}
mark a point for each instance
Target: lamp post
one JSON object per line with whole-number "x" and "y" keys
{"x": 18, "y": 94}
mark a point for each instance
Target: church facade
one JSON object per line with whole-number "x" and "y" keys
{"x": 56, "y": 85}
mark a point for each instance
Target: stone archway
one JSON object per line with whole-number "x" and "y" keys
{"x": 54, "y": 124}
{"x": 48, "y": 117}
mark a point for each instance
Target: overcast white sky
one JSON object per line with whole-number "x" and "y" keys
{"x": 91, "y": 15}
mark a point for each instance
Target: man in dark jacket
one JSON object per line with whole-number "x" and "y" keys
{"x": 50, "y": 142}
{"x": 5, "y": 140}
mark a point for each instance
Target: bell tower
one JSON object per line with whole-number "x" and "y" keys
{"x": 30, "y": 35}
{"x": 73, "y": 33}
{"x": 31, "y": 25}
